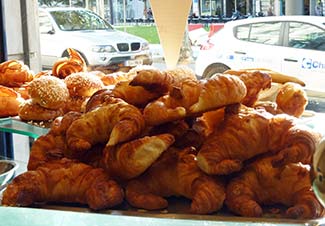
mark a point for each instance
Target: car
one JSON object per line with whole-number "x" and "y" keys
{"x": 93, "y": 37}
{"x": 292, "y": 45}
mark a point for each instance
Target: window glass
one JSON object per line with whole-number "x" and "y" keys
{"x": 79, "y": 20}
{"x": 44, "y": 22}
{"x": 266, "y": 33}
{"x": 242, "y": 32}
{"x": 306, "y": 36}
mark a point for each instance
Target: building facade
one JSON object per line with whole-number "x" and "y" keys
{"x": 117, "y": 11}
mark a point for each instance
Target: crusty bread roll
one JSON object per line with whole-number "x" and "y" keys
{"x": 83, "y": 84}
{"x": 49, "y": 92}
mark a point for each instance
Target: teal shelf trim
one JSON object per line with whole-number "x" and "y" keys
{"x": 12, "y": 125}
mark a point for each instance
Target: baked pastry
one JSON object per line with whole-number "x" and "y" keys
{"x": 135, "y": 95}
{"x": 30, "y": 111}
{"x": 14, "y": 73}
{"x": 255, "y": 81}
{"x": 292, "y": 99}
{"x": 246, "y": 133}
{"x": 276, "y": 76}
{"x": 111, "y": 123}
{"x": 193, "y": 98}
{"x": 68, "y": 65}
{"x": 176, "y": 173}
{"x": 262, "y": 184}
{"x": 162, "y": 81}
{"x": 128, "y": 160}
{"x": 114, "y": 78}
{"x": 10, "y": 101}
{"x": 49, "y": 92}
{"x": 77, "y": 104}
{"x": 64, "y": 180}
{"x": 83, "y": 84}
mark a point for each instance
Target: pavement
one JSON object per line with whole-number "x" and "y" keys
{"x": 158, "y": 56}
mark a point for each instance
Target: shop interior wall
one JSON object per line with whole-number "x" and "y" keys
{"x": 21, "y": 31}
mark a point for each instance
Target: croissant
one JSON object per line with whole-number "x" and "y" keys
{"x": 111, "y": 123}
{"x": 276, "y": 76}
{"x": 162, "y": 81}
{"x": 246, "y": 133}
{"x": 52, "y": 145}
{"x": 176, "y": 173}
{"x": 209, "y": 120}
{"x": 255, "y": 81}
{"x": 135, "y": 95}
{"x": 114, "y": 78}
{"x": 66, "y": 66}
{"x": 14, "y": 73}
{"x": 262, "y": 184}
{"x": 129, "y": 160}
{"x": 292, "y": 99}
{"x": 195, "y": 97}
{"x": 219, "y": 91}
{"x": 64, "y": 181}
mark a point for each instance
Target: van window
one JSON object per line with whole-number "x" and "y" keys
{"x": 266, "y": 33}
{"x": 306, "y": 36}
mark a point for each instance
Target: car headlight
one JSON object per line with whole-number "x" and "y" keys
{"x": 145, "y": 46}
{"x": 103, "y": 49}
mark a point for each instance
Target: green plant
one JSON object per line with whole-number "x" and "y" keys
{"x": 147, "y": 32}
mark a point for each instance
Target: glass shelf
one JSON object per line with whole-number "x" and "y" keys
{"x": 14, "y": 125}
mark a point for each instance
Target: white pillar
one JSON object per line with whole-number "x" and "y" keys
{"x": 294, "y": 7}
{"x": 312, "y": 5}
{"x": 277, "y": 7}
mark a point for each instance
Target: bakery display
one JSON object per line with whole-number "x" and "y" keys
{"x": 145, "y": 135}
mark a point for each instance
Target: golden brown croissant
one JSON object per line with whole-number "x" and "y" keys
{"x": 292, "y": 99}
{"x": 206, "y": 123}
{"x": 195, "y": 97}
{"x": 14, "y": 73}
{"x": 261, "y": 184}
{"x": 66, "y": 66}
{"x": 176, "y": 173}
{"x": 135, "y": 95}
{"x": 129, "y": 160}
{"x": 219, "y": 91}
{"x": 111, "y": 123}
{"x": 276, "y": 76}
{"x": 64, "y": 181}
{"x": 246, "y": 133}
{"x": 255, "y": 81}
{"x": 113, "y": 78}
{"x": 53, "y": 144}
{"x": 162, "y": 81}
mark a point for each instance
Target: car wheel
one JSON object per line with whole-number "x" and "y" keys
{"x": 213, "y": 69}
{"x": 66, "y": 54}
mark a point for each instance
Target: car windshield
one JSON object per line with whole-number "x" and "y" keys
{"x": 79, "y": 20}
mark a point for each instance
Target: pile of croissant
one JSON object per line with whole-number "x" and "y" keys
{"x": 162, "y": 133}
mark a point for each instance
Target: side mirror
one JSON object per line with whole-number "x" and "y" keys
{"x": 51, "y": 32}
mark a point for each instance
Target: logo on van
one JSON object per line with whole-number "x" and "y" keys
{"x": 308, "y": 63}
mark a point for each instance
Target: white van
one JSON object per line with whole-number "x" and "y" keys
{"x": 293, "y": 45}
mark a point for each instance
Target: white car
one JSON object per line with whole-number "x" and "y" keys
{"x": 293, "y": 45}
{"x": 93, "y": 37}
